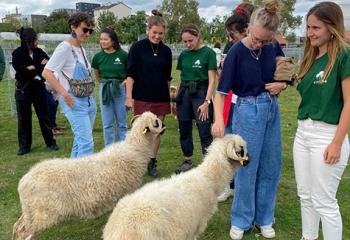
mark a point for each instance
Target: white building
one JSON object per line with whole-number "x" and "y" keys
{"x": 119, "y": 9}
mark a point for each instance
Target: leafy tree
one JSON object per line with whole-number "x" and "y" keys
{"x": 106, "y": 19}
{"x": 217, "y": 30}
{"x": 10, "y": 25}
{"x": 131, "y": 27}
{"x": 288, "y": 21}
{"x": 291, "y": 37}
{"x": 178, "y": 13}
{"x": 57, "y": 22}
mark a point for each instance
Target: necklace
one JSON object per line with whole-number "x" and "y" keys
{"x": 155, "y": 53}
{"x": 254, "y": 54}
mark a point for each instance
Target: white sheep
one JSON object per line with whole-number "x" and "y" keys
{"x": 178, "y": 208}
{"x": 88, "y": 186}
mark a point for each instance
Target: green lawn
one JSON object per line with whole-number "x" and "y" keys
{"x": 12, "y": 168}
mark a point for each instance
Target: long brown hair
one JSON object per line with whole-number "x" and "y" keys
{"x": 331, "y": 14}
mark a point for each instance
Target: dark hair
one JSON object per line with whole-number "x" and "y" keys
{"x": 217, "y": 45}
{"x": 156, "y": 20}
{"x": 191, "y": 29}
{"x": 77, "y": 18}
{"x": 248, "y": 8}
{"x": 240, "y": 17}
{"x": 113, "y": 36}
{"x": 27, "y": 36}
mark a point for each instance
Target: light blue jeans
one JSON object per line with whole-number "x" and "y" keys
{"x": 257, "y": 120}
{"x": 81, "y": 119}
{"x": 115, "y": 110}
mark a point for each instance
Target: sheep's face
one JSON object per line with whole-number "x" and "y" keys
{"x": 149, "y": 122}
{"x": 173, "y": 93}
{"x": 236, "y": 149}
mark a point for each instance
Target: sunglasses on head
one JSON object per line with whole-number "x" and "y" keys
{"x": 90, "y": 30}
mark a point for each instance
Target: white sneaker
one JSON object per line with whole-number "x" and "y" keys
{"x": 225, "y": 194}
{"x": 268, "y": 231}
{"x": 236, "y": 233}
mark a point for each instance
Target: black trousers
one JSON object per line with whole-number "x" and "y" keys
{"x": 187, "y": 110}
{"x": 32, "y": 94}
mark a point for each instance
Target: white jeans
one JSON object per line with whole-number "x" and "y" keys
{"x": 317, "y": 182}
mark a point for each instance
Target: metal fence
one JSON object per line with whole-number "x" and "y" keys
{"x": 7, "y": 85}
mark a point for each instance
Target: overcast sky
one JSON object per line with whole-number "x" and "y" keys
{"x": 207, "y": 8}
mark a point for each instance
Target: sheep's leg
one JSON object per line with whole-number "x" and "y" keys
{"x": 20, "y": 232}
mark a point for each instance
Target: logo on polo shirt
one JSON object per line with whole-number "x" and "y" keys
{"x": 319, "y": 77}
{"x": 117, "y": 61}
{"x": 197, "y": 64}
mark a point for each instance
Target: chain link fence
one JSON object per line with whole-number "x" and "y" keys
{"x": 7, "y": 85}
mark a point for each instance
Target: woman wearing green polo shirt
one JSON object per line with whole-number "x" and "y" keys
{"x": 321, "y": 145}
{"x": 110, "y": 70}
{"x": 198, "y": 70}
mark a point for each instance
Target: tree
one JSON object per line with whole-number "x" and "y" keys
{"x": 57, "y": 22}
{"x": 10, "y": 25}
{"x": 291, "y": 37}
{"x": 217, "y": 31}
{"x": 106, "y": 19}
{"x": 177, "y": 13}
{"x": 131, "y": 27}
{"x": 288, "y": 21}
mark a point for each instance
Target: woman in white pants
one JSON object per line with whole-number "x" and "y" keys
{"x": 321, "y": 145}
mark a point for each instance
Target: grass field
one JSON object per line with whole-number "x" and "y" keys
{"x": 12, "y": 168}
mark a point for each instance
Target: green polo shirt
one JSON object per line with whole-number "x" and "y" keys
{"x": 194, "y": 64}
{"x": 324, "y": 101}
{"x": 110, "y": 65}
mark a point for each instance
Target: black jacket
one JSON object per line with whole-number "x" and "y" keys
{"x": 21, "y": 60}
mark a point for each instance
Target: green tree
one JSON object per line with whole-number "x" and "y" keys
{"x": 106, "y": 19}
{"x": 288, "y": 21}
{"x": 131, "y": 27}
{"x": 178, "y": 13}
{"x": 216, "y": 28}
{"x": 57, "y": 22}
{"x": 291, "y": 37}
{"x": 10, "y": 25}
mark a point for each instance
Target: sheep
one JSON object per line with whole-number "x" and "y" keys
{"x": 88, "y": 186}
{"x": 178, "y": 207}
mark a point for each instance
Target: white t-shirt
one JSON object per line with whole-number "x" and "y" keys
{"x": 218, "y": 56}
{"x": 62, "y": 59}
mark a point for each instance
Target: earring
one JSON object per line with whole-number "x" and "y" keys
{"x": 74, "y": 34}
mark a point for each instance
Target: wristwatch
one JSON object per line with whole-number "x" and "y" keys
{"x": 207, "y": 101}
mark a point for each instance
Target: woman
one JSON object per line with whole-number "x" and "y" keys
{"x": 248, "y": 70}
{"x": 110, "y": 70}
{"x": 321, "y": 145}
{"x": 28, "y": 61}
{"x": 198, "y": 71}
{"x": 149, "y": 76}
{"x": 68, "y": 62}
{"x": 236, "y": 27}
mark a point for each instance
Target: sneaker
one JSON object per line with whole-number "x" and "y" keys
{"x": 268, "y": 231}
{"x": 225, "y": 194}
{"x": 152, "y": 168}
{"x": 54, "y": 147}
{"x": 185, "y": 166}
{"x": 236, "y": 233}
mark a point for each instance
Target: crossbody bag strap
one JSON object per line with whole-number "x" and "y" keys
{"x": 86, "y": 63}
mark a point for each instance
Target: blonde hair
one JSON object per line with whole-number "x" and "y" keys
{"x": 267, "y": 16}
{"x": 156, "y": 20}
{"x": 331, "y": 14}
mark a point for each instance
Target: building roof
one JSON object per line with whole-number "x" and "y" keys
{"x": 111, "y": 5}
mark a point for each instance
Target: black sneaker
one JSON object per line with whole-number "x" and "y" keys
{"x": 22, "y": 151}
{"x": 184, "y": 167}
{"x": 152, "y": 168}
{"x": 54, "y": 147}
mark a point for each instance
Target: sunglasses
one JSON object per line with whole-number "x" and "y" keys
{"x": 86, "y": 30}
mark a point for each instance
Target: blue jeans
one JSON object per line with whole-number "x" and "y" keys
{"x": 257, "y": 120}
{"x": 81, "y": 119}
{"x": 115, "y": 110}
{"x": 52, "y": 109}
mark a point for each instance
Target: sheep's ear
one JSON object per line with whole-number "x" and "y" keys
{"x": 231, "y": 150}
{"x": 133, "y": 119}
{"x": 146, "y": 130}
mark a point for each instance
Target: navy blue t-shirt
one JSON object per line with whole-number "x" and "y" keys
{"x": 245, "y": 75}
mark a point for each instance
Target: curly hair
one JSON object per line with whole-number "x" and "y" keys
{"x": 77, "y": 18}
